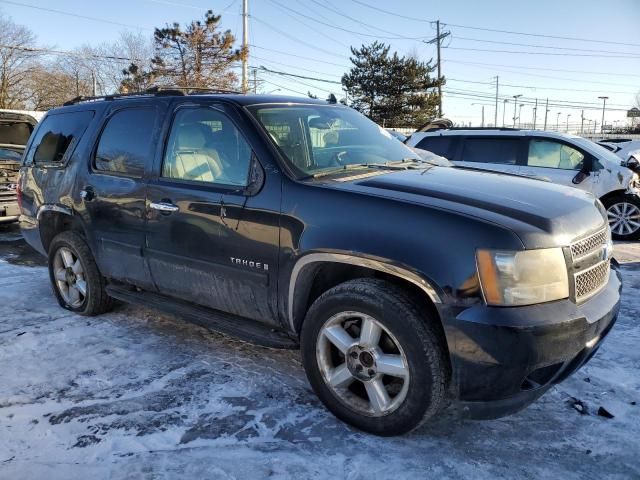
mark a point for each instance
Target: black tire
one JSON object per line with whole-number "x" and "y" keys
{"x": 615, "y": 206}
{"x": 96, "y": 300}
{"x": 420, "y": 341}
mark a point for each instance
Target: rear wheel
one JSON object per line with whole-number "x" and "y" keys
{"x": 76, "y": 280}
{"x": 372, "y": 358}
{"x": 623, "y": 212}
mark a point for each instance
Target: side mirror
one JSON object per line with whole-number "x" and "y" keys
{"x": 580, "y": 177}
{"x": 256, "y": 177}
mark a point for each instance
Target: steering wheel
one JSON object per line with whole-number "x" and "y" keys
{"x": 338, "y": 158}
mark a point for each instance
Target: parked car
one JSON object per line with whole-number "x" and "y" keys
{"x": 560, "y": 158}
{"x": 627, "y": 150}
{"x": 15, "y": 129}
{"x": 294, "y": 222}
{"x": 396, "y": 134}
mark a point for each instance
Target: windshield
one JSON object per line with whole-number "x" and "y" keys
{"x": 601, "y": 152}
{"x": 320, "y": 139}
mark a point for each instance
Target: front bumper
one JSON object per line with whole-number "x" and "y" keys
{"x": 504, "y": 358}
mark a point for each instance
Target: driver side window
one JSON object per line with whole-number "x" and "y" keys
{"x": 549, "y": 154}
{"x": 205, "y": 146}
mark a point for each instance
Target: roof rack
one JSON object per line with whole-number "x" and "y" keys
{"x": 153, "y": 91}
{"x": 485, "y": 128}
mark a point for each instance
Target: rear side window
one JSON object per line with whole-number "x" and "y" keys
{"x": 57, "y": 136}
{"x": 550, "y": 154}
{"x": 126, "y": 142}
{"x": 440, "y": 145}
{"x": 491, "y": 150}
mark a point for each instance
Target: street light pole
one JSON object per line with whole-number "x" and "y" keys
{"x": 520, "y": 114}
{"x": 535, "y": 114}
{"x": 504, "y": 109}
{"x": 515, "y": 105}
{"x": 568, "y": 115}
{"x": 558, "y": 121}
{"x": 604, "y": 102}
{"x": 546, "y": 112}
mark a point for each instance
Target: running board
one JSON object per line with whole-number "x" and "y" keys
{"x": 239, "y": 327}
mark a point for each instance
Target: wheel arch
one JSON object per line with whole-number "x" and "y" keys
{"x": 54, "y": 219}
{"x": 315, "y": 273}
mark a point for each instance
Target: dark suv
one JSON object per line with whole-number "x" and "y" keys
{"x": 297, "y": 222}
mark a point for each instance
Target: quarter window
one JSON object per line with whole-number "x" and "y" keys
{"x": 205, "y": 146}
{"x": 56, "y": 137}
{"x": 126, "y": 142}
{"x": 548, "y": 154}
{"x": 503, "y": 151}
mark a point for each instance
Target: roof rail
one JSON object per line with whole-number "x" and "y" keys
{"x": 485, "y": 128}
{"x": 153, "y": 91}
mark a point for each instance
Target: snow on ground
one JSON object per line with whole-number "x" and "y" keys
{"x": 139, "y": 394}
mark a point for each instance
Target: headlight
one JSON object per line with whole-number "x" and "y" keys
{"x": 524, "y": 277}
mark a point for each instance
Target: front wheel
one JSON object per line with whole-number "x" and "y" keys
{"x": 623, "y": 213}
{"x": 372, "y": 358}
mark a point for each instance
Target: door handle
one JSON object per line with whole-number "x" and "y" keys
{"x": 164, "y": 206}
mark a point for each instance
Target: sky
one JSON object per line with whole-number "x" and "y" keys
{"x": 599, "y": 56}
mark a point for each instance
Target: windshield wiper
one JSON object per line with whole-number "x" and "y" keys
{"x": 395, "y": 165}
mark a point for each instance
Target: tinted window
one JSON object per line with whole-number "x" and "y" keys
{"x": 15, "y": 133}
{"x": 491, "y": 150}
{"x": 57, "y": 135}
{"x": 126, "y": 141}
{"x": 205, "y": 146}
{"x": 439, "y": 145}
{"x": 549, "y": 154}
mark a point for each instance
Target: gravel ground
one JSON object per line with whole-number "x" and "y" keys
{"x": 139, "y": 394}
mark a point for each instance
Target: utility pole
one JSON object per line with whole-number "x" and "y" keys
{"x": 535, "y": 114}
{"x": 546, "y": 112}
{"x": 604, "y": 102}
{"x": 482, "y": 116}
{"x": 93, "y": 80}
{"x": 438, "y": 42}
{"x": 558, "y": 122}
{"x": 568, "y": 115}
{"x": 495, "y": 121}
{"x": 581, "y": 122}
{"x": 245, "y": 46}
{"x": 515, "y": 106}
{"x": 255, "y": 80}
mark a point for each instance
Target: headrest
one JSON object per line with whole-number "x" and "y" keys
{"x": 190, "y": 137}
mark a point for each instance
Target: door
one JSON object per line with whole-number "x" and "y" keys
{"x": 213, "y": 221}
{"x": 114, "y": 191}
{"x": 498, "y": 154}
{"x": 561, "y": 163}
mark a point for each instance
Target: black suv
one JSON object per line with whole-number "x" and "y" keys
{"x": 297, "y": 222}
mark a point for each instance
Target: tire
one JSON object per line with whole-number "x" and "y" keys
{"x": 360, "y": 371}
{"x": 72, "y": 271}
{"x": 623, "y": 212}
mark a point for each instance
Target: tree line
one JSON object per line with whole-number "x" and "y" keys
{"x": 392, "y": 90}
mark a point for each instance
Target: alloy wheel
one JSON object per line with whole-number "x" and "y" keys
{"x": 69, "y": 277}
{"x": 624, "y": 218}
{"x": 362, "y": 363}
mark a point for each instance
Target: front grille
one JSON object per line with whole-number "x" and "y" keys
{"x": 589, "y": 281}
{"x": 588, "y": 245}
{"x": 591, "y": 264}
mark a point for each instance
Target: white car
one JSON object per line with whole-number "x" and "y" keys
{"x": 627, "y": 150}
{"x": 565, "y": 159}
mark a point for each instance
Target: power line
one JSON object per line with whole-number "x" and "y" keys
{"x": 387, "y": 12}
{"x": 288, "y": 65}
{"x": 299, "y": 56}
{"x": 70, "y": 14}
{"x": 557, "y": 37}
{"x": 552, "y": 47}
{"x": 546, "y": 69}
{"x": 335, "y": 27}
{"x": 265, "y": 69}
{"x": 49, "y": 51}
{"x": 542, "y": 53}
{"x": 285, "y": 88}
{"x": 540, "y": 88}
{"x": 291, "y": 37}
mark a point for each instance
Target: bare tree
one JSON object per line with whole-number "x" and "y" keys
{"x": 50, "y": 86}
{"x": 197, "y": 56}
{"x": 16, "y": 62}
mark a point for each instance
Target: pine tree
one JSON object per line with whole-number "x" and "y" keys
{"x": 392, "y": 90}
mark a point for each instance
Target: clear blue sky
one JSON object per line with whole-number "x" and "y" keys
{"x": 273, "y": 26}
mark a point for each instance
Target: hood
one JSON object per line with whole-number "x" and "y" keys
{"x": 541, "y": 213}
